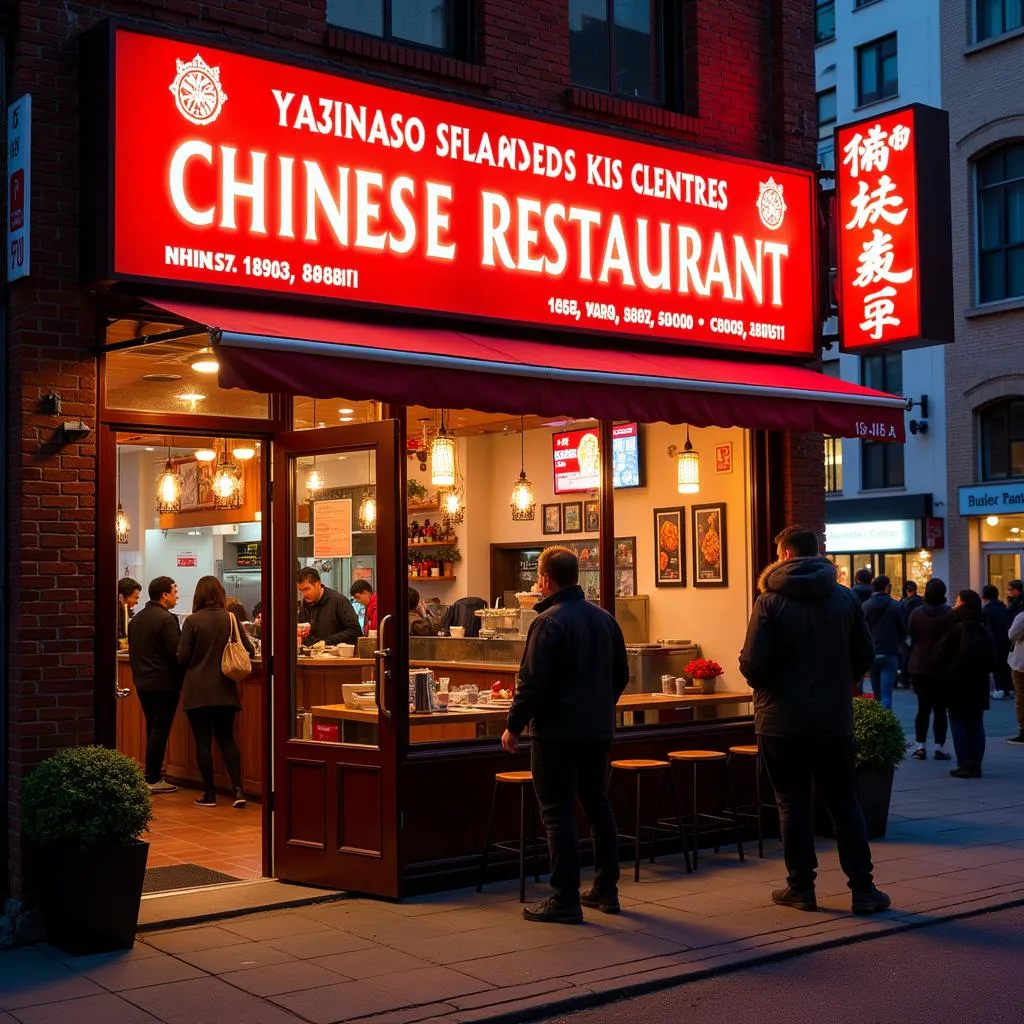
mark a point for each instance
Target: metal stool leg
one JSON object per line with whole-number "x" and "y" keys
{"x": 679, "y": 820}
{"x": 487, "y": 840}
{"x": 696, "y": 819}
{"x": 732, "y": 810}
{"x": 636, "y": 834}
{"x": 760, "y": 807}
{"x": 538, "y": 828}
{"x": 522, "y": 844}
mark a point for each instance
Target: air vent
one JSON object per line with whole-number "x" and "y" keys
{"x": 161, "y": 378}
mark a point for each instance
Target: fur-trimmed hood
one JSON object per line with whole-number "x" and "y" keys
{"x": 803, "y": 579}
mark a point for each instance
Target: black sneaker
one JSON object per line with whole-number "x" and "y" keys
{"x": 606, "y": 904}
{"x": 239, "y": 800}
{"x": 788, "y": 897}
{"x": 920, "y": 754}
{"x": 966, "y": 773}
{"x": 206, "y": 800}
{"x": 1017, "y": 741}
{"x": 941, "y": 755}
{"x": 870, "y": 901}
{"x": 553, "y": 912}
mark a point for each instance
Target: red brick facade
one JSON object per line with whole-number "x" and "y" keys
{"x": 751, "y": 82}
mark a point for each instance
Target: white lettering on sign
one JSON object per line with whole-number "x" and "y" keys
{"x": 886, "y": 535}
{"x": 19, "y": 187}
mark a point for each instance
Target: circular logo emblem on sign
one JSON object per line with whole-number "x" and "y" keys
{"x": 770, "y": 205}
{"x": 197, "y": 91}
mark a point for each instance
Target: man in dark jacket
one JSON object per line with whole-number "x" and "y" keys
{"x": 572, "y": 674}
{"x": 330, "y": 615}
{"x": 926, "y": 627}
{"x": 997, "y": 617}
{"x": 807, "y": 640}
{"x": 1015, "y": 598}
{"x": 862, "y": 585}
{"x": 888, "y": 635}
{"x": 153, "y": 635}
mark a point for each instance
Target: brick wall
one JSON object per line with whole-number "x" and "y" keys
{"x": 986, "y": 108}
{"x": 754, "y": 96}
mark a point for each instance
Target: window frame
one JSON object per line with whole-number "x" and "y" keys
{"x": 821, "y": 6}
{"x": 830, "y": 124}
{"x": 894, "y": 471}
{"x": 833, "y": 465}
{"x": 1003, "y": 5}
{"x": 460, "y": 29}
{"x": 1002, "y": 408}
{"x": 878, "y": 46}
{"x": 1000, "y": 188}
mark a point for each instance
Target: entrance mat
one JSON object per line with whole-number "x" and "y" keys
{"x": 183, "y": 876}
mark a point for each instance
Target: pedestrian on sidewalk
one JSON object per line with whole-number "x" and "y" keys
{"x": 926, "y": 627}
{"x": 968, "y": 653}
{"x": 910, "y": 600}
{"x": 888, "y": 634}
{"x": 998, "y": 619}
{"x": 1015, "y": 597}
{"x": 807, "y": 640}
{"x": 1016, "y": 663}
{"x": 862, "y": 585}
{"x": 572, "y": 673}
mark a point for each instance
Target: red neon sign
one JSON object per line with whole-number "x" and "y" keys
{"x": 895, "y": 264}
{"x": 237, "y": 172}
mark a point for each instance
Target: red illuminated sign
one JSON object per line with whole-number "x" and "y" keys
{"x": 235, "y": 172}
{"x": 893, "y": 224}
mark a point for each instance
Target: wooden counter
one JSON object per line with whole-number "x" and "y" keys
{"x": 180, "y": 763}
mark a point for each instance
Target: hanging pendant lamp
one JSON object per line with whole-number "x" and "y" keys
{"x": 442, "y": 457}
{"x": 688, "y": 468}
{"x": 227, "y": 483}
{"x": 524, "y": 499}
{"x": 169, "y": 486}
{"x": 367, "y": 514}
{"x": 314, "y": 479}
{"x": 122, "y": 527}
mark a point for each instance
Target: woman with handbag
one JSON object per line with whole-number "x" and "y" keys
{"x": 215, "y": 653}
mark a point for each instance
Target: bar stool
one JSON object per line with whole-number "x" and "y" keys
{"x": 531, "y": 847}
{"x": 638, "y": 768}
{"x": 702, "y": 820}
{"x": 762, "y": 805}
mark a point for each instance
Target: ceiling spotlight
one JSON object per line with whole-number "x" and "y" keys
{"x": 205, "y": 361}
{"x": 346, "y": 419}
{"x": 992, "y": 520}
{"x": 205, "y": 454}
{"x": 244, "y": 452}
{"x": 346, "y": 412}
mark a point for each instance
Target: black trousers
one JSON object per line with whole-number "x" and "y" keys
{"x": 793, "y": 766}
{"x": 159, "y": 708}
{"x": 563, "y": 771}
{"x": 931, "y": 700}
{"x": 216, "y": 723}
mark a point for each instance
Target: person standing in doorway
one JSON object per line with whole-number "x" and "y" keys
{"x": 925, "y": 629}
{"x": 1016, "y": 662}
{"x": 807, "y": 640}
{"x": 362, "y": 592}
{"x": 128, "y": 593}
{"x": 572, "y": 673}
{"x": 998, "y": 619}
{"x": 862, "y": 585}
{"x": 888, "y": 635}
{"x": 330, "y": 615}
{"x": 153, "y": 636}
{"x": 211, "y": 698}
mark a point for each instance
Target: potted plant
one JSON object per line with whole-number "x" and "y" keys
{"x": 416, "y": 492}
{"x": 448, "y": 556}
{"x": 703, "y": 673}
{"x": 83, "y": 813}
{"x": 881, "y": 746}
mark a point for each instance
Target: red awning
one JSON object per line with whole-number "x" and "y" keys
{"x": 325, "y": 358}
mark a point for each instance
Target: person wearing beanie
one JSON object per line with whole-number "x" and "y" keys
{"x": 926, "y": 627}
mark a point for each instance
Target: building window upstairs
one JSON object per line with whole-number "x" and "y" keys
{"x": 999, "y": 178}
{"x": 997, "y": 17}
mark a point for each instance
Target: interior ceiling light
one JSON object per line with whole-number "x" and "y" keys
{"x": 122, "y": 527}
{"x": 161, "y": 378}
{"x": 205, "y": 361}
{"x": 205, "y": 454}
{"x": 442, "y": 457}
{"x": 244, "y": 452}
{"x": 992, "y": 520}
{"x": 168, "y": 488}
{"x": 524, "y": 498}
{"x": 346, "y": 411}
{"x": 367, "y": 513}
{"x": 227, "y": 483}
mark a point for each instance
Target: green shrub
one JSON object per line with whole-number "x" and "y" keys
{"x": 880, "y": 739}
{"x": 85, "y": 796}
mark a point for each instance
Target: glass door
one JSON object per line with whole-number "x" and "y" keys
{"x": 340, "y": 650}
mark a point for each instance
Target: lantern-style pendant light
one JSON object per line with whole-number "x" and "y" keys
{"x": 524, "y": 499}
{"x": 442, "y": 457}
{"x": 168, "y": 488}
{"x": 122, "y": 527}
{"x": 688, "y": 468}
{"x": 453, "y": 505}
{"x": 367, "y": 513}
{"x": 227, "y": 483}
{"x": 314, "y": 479}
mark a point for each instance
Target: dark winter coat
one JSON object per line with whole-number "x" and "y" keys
{"x": 153, "y": 636}
{"x": 807, "y": 642}
{"x": 926, "y": 626}
{"x": 911, "y": 603}
{"x": 887, "y": 624}
{"x": 200, "y": 649}
{"x": 572, "y": 673}
{"x": 967, "y": 653}
{"x": 998, "y": 619}
{"x": 332, "y": 619}
{"x": 863, "y": 591}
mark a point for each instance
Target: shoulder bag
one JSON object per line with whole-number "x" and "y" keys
{"x": 234, "y": 662}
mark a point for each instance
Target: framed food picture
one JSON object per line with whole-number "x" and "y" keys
{"x": 552, "y": 518}
{"x": 591, "y": 516}
{"x": 669, "y": 558}
{"x": 710, "y": 554}
{"x": 572, "y": 516}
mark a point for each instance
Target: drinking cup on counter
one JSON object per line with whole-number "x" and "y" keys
{"x": 680, "y": 685}
{"x": 442, "y": 700}
{"x": 458, "y": 632}
{"x": 668, "y": 685}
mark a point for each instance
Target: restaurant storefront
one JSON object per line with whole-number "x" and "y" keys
{"x": 309, "y": 281}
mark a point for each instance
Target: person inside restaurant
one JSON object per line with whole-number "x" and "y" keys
{"x": 362, "y": 592}
{"x": 419, "y": 624}
{"x": 128, "y": 593}
{"x": 330, "y": 615}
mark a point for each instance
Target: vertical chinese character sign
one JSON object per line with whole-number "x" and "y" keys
{"x": 19, "y": 186}
{"x": 895, "y": 236}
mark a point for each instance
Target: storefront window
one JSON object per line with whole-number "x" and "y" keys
{"x": 894, "y": 569}
{"x": 1002, "y": 530}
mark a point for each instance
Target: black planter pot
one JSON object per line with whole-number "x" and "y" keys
{"x": 874, "y": 789}
{"x": 91, "y": 897}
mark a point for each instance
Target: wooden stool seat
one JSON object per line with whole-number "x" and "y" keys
{"x": 639, "y": 765}
{"x": 696, "y": 755}
{"x": 748, "y": 749}
{"x": 519, "y": 778}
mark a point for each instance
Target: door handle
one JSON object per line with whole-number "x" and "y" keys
{"x": 383, "y": 656}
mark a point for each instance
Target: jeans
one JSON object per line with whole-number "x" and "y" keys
{"x": 968, "y": 738}
{"x": 159, "y": 708}
{"x": 883, "y": 678}
{"x": 931, "y": 699}
{"x": 793, "y": 765}
{"x": 208, "y": 724}
{"x": 563, "y": 771}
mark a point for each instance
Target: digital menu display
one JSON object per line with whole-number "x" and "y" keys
{"x": 577, "y": 458}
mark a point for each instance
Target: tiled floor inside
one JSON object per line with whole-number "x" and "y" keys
{"x": 220, "y": 837}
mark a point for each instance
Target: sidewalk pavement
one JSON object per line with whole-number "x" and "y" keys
{"x": 954, "y": 847}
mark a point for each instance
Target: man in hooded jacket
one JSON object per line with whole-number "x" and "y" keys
{"x": 807, "y": 640}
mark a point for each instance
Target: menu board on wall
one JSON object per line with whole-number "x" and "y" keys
{"x": 332, "y": 528}
{"x": 577, "y": 458}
